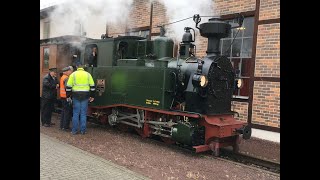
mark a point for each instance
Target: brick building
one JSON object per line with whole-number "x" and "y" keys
{"x": 255, "y": 52}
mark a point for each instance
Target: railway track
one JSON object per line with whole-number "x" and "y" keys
{"x": 227, "y": 156}
{"x": 250, "y": 161}
{"x": 240, "y": 159}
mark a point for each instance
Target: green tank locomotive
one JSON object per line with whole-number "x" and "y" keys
{"x": 183, "y": 99}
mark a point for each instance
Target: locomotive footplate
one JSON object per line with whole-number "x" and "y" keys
{"x": 222, "y": 131}
{"x": 215, "y": 145}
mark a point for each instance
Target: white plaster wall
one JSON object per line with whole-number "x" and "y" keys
{"x": 93, "y": 29}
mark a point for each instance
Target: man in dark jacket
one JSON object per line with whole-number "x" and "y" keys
{"x": 66, "y": 113}
{"x": 75, "y": 61}
{"x": 49, "y": 95}
{"x": 92, "y": 60}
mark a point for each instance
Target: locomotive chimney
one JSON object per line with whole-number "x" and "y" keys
{"x": 214, "y": 30}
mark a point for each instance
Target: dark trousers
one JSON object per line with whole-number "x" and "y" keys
{"x": 46, "y": 110}
{"x": 66, "y": 114}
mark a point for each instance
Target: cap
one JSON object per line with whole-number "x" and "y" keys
{"x": 78, "y": 63}
{"x": 53, "y": 69}
{"x": 66, "y": 68}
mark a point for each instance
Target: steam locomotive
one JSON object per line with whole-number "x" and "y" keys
{"x": 184, "y": 100}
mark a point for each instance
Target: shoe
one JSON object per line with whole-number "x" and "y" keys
{"x": 83, "y": 133}
{"x": 52, "y": 124}
{"x": 46, "y": 125}
{"x": 73, "y": 133}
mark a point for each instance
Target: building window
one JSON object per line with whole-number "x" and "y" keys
{"x": 142, "y": 33}
{"x": 240, "y": 53}
{"x": 46, "y": 30}
{"x": 46, "y": 54}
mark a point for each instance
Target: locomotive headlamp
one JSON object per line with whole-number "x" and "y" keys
{"x": 199, "y": 80}
{"x": 239, "y": 83}
{"x": 203, "y": 81}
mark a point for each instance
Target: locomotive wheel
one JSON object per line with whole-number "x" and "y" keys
{"x": 140, "y": 132}
{"x": 235, "y": 148}
{"x": 216, "y": 152}
{"x": 215, "y": 148}
{"x": 103, "y": 120}
{"x": 122, "y": 127}
{"x": 167, "y": 140}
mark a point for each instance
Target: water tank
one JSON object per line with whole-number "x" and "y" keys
{"x": 163, "y": 47}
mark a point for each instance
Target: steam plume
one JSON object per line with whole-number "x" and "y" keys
{"x": 177, "y": 10}
{"x": 74, "y": 17}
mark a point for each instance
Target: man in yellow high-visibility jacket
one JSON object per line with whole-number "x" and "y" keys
{"x": 81, "y": 86}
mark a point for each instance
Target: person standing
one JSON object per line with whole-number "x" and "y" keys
{"x": 92, "y": 60}
{"x": 49, "y": 95}
{"x": 66, "y": 113}
{"x": 81, "y": 86}
{"x": 75, "y": 60}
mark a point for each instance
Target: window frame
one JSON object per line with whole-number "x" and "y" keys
{"x": 139, "y": 30}
{"x": 45, "y": 69}
{"x": 132, "y": 33}
{"x": 248, "y": 75}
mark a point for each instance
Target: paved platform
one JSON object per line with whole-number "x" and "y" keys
{"x": 59, "y": 160}
{"x": 266, "y": 135}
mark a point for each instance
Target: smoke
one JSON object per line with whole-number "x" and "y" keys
{"x": 75, "y": 17}
{"x": 177, "y": 10}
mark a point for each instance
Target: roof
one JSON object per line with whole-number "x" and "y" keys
{"x": 63, "y": 39}
{"x": 45, "y": 12}
{"x": 115, "y": 39}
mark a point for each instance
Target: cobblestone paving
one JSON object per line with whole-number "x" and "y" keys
{"x": 59, "y": 160}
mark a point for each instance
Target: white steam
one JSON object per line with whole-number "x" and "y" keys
{"x": 76, "y": 17}
{"x": 177, "y": 10}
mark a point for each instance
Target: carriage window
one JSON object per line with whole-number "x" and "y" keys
{"x": 240, "y": 53}
{"x": 46, "y": 53}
